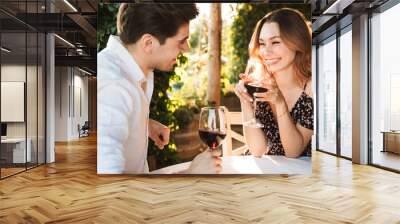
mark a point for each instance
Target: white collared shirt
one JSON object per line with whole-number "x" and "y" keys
{"x": 123, "y": 111}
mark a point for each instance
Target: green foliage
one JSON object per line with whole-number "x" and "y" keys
{"x": 189, "y": 90}
{"x": 161, "y": 107}
{"x": 107, "y": 17}
{"x": 162, "y": 110}
{"x": 183, "y": 115}
{"x": 242, "y": 28}
{"x": 195, "y": 38}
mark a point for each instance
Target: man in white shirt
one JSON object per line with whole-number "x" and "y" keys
{"x": 151, "y": 36}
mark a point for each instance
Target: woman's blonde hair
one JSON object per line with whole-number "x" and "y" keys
{"x": 295, "y": 32}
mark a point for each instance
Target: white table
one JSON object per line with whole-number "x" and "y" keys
{"x": 252, "y": 165}
{"x": 18, "y": 150}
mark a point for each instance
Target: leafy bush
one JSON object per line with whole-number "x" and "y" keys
{"x": 106, "y": 23}
{"x": 183, "y": 116}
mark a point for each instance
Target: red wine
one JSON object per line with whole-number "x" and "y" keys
{"x": 212, "y": 138}
{"x": 252, "y": 88}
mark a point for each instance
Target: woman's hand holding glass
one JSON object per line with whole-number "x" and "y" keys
{"x": 249, "y": 84}
{"x": 273, "y": 95}
{"x": 240, "y": 89}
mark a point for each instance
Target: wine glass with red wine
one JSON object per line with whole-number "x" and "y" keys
{"x": 254, "y": 87}
{"x": 212, "y": 126}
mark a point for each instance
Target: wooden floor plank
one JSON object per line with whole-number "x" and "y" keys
{"x": 70, "y": 191}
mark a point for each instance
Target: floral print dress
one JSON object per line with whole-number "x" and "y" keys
{"x": 302, "y": 113}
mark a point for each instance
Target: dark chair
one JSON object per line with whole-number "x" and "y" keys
{"x": 84, "y": 130}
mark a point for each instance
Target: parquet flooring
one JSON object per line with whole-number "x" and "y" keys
{"x": 70, "y": 191}
{"x": 9, "y": 171}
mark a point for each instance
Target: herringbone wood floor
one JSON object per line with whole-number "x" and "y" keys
{"x": 70, "y": 191}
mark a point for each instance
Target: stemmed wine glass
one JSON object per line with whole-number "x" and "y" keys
{"x": 254, "y": 87}
{"x": 212, "y": 126}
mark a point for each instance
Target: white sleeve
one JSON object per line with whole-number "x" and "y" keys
{"x": 114, "y": 108}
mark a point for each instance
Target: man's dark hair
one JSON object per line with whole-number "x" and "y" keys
{"x": 161, "y": 20}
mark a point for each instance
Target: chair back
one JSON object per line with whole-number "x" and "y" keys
{"x": 233, "y": 118}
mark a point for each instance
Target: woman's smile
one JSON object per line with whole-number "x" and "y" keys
{"x": 272, "y": 61}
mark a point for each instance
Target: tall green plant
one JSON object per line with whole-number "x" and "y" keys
{"x": 243, "y": 26}
{"x": 161, "y": 107}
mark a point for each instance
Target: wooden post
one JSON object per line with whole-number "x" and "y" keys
{"x": 214, "y": 55}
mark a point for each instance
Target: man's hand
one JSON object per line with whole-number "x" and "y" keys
{"x": 159, "y": 133}
{"x": 205, "y": 163}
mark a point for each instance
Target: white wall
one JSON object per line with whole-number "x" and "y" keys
{"x": 61, "y": 103}
{"x": 33, "y": 127}
{"x": 80, "y": 109}
{"x": 12, "y": 73}
{"x": 71, "y": 102}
